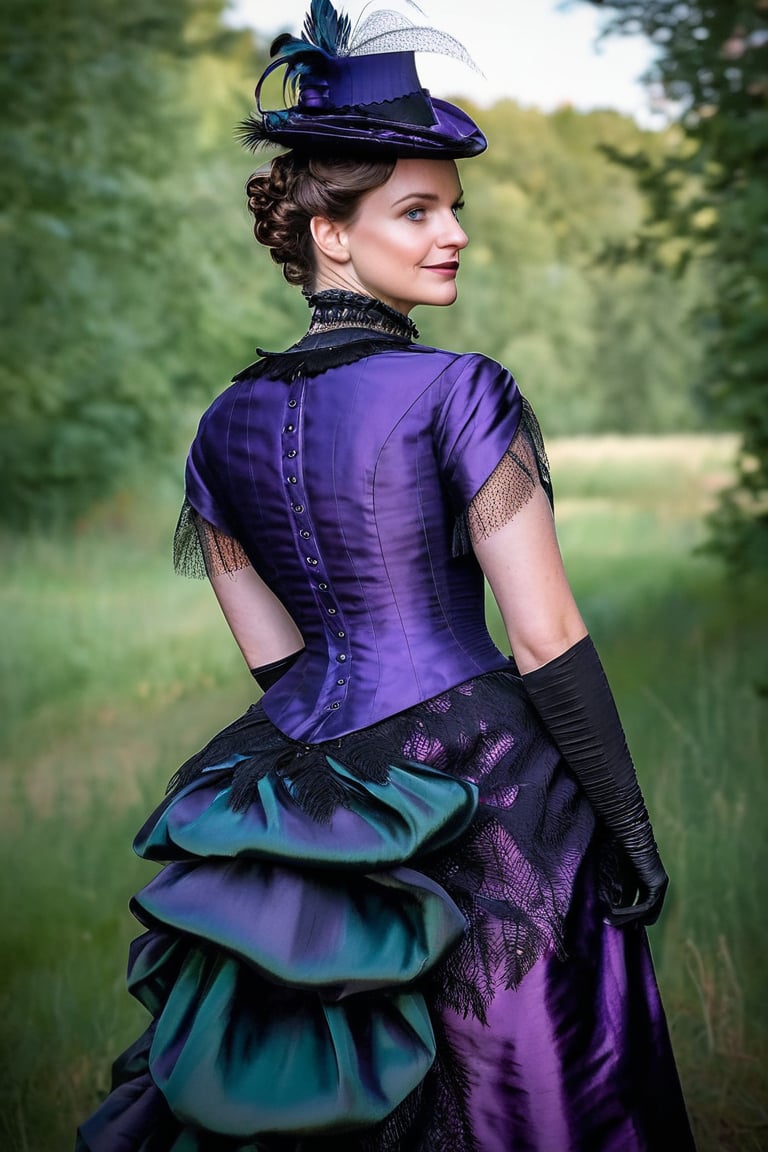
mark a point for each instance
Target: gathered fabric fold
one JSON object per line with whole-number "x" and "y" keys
{"x": 295, "y": 952}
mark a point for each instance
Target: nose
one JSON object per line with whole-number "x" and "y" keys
{"x": 453, "y": 235}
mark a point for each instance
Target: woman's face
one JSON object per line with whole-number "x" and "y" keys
{"x": 404, "y": 242}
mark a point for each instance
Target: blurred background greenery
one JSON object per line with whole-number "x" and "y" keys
{"x": 620, "y": 273}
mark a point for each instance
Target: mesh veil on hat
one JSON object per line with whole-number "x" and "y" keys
{"x": 357, "y": 91}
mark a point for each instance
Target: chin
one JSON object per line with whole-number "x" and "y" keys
{"x": 441, "y": 299}
{"x": 445, "y": 299}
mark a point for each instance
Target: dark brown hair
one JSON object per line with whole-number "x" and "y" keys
{"x": 284, "y": 199}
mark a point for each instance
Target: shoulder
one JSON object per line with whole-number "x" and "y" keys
{"x": 458, "y": 360}
{"x": 479, "y": 366}
{"x": 220, "y": 409}
{"x": 446, "y": 378}
{"x": 448, "y": 374}
{"x": 470, "y": 378}
{"x": 469, "y": 368}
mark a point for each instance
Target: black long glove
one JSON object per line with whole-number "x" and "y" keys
{"x": 573, "y": 698}
{"x": 269, "y": 674}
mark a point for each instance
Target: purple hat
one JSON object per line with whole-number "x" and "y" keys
{"x": 358, "y": 91}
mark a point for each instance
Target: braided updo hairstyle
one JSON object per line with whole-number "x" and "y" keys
{"x": 284, "y": 199}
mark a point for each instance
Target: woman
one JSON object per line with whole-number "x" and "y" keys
{"x": 404, "y": 898}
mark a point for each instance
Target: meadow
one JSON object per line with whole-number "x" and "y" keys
{"x": 113, "y": 670}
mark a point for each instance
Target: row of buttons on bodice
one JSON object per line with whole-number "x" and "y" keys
{"x": 338, "y": 641}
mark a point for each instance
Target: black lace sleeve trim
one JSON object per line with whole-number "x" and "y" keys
{"x": 509, "y": 487}
{"x": 201, "y": 550}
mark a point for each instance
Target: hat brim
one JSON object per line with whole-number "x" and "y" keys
{"x": 453, "y": 136}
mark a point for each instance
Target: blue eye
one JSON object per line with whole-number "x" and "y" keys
{"x": 415, "y": 214}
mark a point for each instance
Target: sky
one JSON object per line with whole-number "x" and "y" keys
{"x": 537, "y": 52}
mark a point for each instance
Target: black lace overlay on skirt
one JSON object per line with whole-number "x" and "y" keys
{"x": 510, "y": 874}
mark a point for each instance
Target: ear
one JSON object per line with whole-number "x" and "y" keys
{"x": 330, "y": 238}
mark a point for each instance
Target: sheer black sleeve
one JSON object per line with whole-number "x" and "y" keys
{"x": 200, "y": 549}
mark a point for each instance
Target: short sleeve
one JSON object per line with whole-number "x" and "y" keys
{"x": 475, "y": 425}
{"x": 491, "y": 451}
{"x": 203, "y": 482}
{"x": 205, "y": 541}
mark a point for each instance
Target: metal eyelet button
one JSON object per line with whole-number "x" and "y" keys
{"x": 293, "y": 479}
{"x": 288, "y": 428}
{"x": 298, "y": 507}
{"x": 292, "y": 403}
{"x": 305, "y": 535}
{"x": 341, "y": 681}
{"x": 323, "y": 587}
{"x": 291, "y": 454}
{"x": 341, "y": 658}
{"x": 335, "y": 705}
{"x": 331, "y": 611}
{"x": 341, "y": 635}
{"x": 311, "y": 560}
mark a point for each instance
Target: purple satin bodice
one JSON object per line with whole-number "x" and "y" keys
{"x": 343, "y": 488}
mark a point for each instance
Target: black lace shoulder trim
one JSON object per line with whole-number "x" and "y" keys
{"x": 314, "y": 361}
{"x": 345, "y": 327}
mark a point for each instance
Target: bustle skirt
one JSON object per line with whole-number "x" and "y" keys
{"x": 392, "y": 941}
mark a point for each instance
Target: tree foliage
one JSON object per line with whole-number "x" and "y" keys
{"x": 103, "y": 278}
{"x": 133, "y": 290}
{"x": 712, "y": 194}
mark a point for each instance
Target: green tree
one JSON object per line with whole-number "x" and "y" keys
{"x": 712, "y": 192}
{"x": 103, "y": 283}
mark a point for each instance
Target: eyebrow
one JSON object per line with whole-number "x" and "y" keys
{"x": 425, "y": 196}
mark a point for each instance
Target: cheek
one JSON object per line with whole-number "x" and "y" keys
{"x": 394, "y": 249}
{"x": 409, "y": 247}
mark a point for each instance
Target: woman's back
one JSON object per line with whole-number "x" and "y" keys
{"x": 343, "y": 489}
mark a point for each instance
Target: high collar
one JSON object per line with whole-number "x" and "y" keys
{"x": 345, "y": 327}
{"x": 335, "y": 309}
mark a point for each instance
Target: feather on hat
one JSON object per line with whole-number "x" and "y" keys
{"x": 356, "y": 90}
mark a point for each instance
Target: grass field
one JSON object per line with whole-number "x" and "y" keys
{"x": 113, "y": 670}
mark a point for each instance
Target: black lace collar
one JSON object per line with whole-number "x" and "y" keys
{"x": 334, "y": 309}
{"x": 345, "y": 327}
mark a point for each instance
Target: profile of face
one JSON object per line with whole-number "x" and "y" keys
{"x": 403, "y": 243}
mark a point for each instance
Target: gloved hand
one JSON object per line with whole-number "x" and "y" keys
{"x": 637, "y": 897}
{"x": 573, "y": 698}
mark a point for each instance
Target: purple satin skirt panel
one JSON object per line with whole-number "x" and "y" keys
{"x": 578, "y": 1057}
